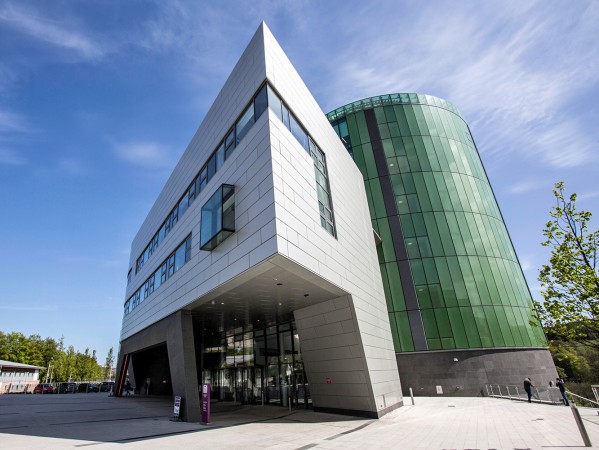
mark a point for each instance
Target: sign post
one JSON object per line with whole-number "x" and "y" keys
{"x": 205, "y": 404}
{"x": 176, "y": 409}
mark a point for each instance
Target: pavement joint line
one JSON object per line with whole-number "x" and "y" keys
{"x": 306, "y": 447}
{"x": 79, "y": 410}
{"x": 105, "y": 420}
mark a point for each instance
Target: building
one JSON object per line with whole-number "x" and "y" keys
{"x": 258, "y": 271}
{"x": 17, "y": 377}
{"x": 460, "y": 310}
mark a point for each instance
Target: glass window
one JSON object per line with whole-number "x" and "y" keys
{"x": 171, "y": 265}
{"x": 260, "y": 102}
{"x": 191, "y": 194}
{"x": 180, "y": 257}
{"x": 274, "y": 103}
{"x": 220, "y": 156}
{"x": 183, "y": 204}
{"x": 202, "y": 179}
{"x": 244, "y": 123}
{"x": 285, "y": 116}
{"x": 188, "y": 249}
{"x": 218, "y": 217}
{"x": 229, "y": 143}
{"x": 298, "y": 131}
{"x": 163, "y": 273}
{"x": 157, "y": 279}
{"x": 175, "y": 216}
{"x": 211, "y": 167}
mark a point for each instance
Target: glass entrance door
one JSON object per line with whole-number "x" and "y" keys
{"x": 264, "y": 363}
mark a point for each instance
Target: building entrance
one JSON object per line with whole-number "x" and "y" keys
{"x": 256, "y": 366}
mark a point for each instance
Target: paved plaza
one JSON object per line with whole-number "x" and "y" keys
{"x": 99, "y": 421}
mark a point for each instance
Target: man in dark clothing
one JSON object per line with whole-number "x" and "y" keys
{"x": 562, "y": 389}
{"x": 128, "y": 387}
{"x": 528, "y": 388}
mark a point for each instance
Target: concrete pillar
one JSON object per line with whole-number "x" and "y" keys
{"x": 182, "y": 362}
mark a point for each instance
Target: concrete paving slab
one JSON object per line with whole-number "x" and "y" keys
{"x": 97, "y": 421}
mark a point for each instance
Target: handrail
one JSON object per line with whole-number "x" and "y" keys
{"x": 541, "y": 394}
{"x": 583, "y": 398}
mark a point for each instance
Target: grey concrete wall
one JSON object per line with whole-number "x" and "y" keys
{"x": 473, "y": 369}
{"x": 176, "y": 331}
{"x": 335, "y": 360}
{"x": 182, "y": 362}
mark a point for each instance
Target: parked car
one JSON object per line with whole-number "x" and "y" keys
{"x": 106, "y": 386}
{"x": 87, "y": 387}
{"x": 43, "y": 388}
{"x": 65, "y": 388}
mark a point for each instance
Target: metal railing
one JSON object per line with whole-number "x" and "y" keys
{"x": 582, "y": 401}
{"x": 547, "y": 395}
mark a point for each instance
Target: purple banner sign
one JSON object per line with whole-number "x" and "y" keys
{"x": 205, "y": 403}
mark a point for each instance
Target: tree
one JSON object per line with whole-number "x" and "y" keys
{"x": 570, "y": 281}
{"x": 108, "y": 364}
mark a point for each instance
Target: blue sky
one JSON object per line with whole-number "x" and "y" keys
{"x": 99, "y": 99}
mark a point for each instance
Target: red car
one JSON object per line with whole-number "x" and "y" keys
{"x": 43, "y": 389}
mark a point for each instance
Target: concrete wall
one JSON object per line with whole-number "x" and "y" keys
{"x": 176, "y": 331}
{"x": 473, "y": 369}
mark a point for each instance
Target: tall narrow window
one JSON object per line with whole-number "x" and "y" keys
{"x": 218, "y": 217}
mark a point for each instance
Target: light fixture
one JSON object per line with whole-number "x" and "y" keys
{"x": 455, "y": 359}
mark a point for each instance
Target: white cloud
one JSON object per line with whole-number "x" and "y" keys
{"x": 11, "y": 122}
{"x": 10, "y": 157}
{"x": 511, "y": 69}
{"x": 28, "y": 308}
{"x": 146, "y": 154}
{"x": 524, "y": 186}
{"x": 54, "y": 32}
{"x": 527, "y": 263}
{"x": 588, "y": 195}
{"x": 71, "y": 167}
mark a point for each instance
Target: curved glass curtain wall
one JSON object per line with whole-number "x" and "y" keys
{"x": 470, "y": 289}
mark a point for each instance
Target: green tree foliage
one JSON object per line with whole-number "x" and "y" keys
{"x": 65, "y": 363}
{"x": 108, "y": 364}
{"x": 570, "y": 281}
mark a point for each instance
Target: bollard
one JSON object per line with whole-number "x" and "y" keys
{"x": 581, "y": 428}
{"x": 412, "y": 395}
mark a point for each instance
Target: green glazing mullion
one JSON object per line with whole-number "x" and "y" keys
{"x": 504, "y": 326}
{"x": 457, "y": 327}
{"x": 404, "y": 128}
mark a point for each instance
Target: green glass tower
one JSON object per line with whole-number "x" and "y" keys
{"x": 453, "y": 284}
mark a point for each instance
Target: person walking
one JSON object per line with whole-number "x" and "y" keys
{"x": 562, "y": 389}
{"x": 128, "y": 387}
{"x": 528, "y": 388}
